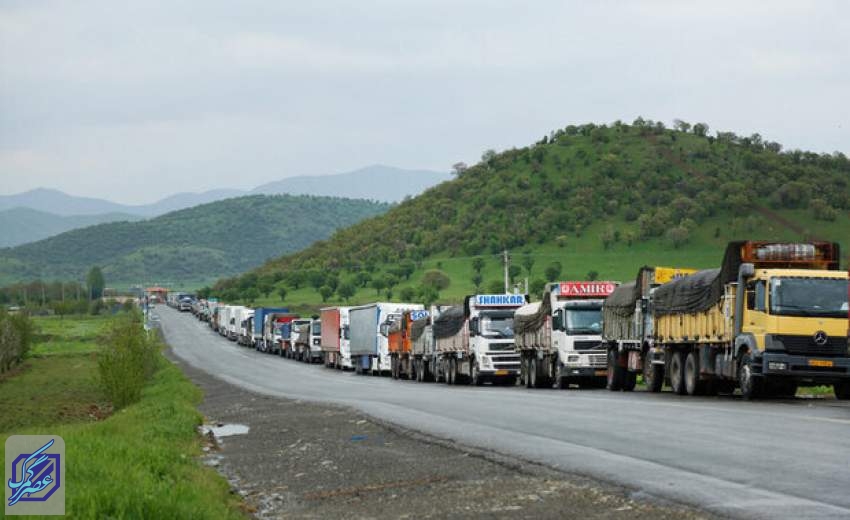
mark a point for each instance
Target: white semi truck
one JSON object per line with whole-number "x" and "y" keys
{"x": 369, "y": 326}
{"x": 475, "y": 342}
{"x": 560, "y": 337}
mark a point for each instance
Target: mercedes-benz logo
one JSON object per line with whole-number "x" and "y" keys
{"x": 820, "y": 338}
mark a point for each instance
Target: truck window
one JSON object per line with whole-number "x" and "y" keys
{"x": 799, "y": 296}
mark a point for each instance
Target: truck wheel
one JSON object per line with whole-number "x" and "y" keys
{"x": 393, "y": 368}
{"x": 677, "y": 373}
{"x": 476, "y": 375}
{"x": 842, "y": 390}
{"x": 653, "y": 376}
{"x": 450, "y": 372}
{"x": 615, "y": 373}
{"x": 692, "y": 383}
{"x": 532, "y": 373}
{"x": 561, "y": 381}
{"x": 629, "y": 381}
{"x": 751, "y": 385}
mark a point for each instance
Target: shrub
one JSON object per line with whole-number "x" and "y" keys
{"x": 127, "y": 359}
{"x": 16, "y": 335}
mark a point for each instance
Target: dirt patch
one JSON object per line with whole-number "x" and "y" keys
{"x": 303, "y": 460}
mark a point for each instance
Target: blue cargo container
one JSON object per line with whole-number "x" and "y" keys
{"x": 260, "y": 317}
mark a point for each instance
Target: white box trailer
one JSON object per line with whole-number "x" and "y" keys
{"x": 246, "y": 327}
{"x": 369, "y": 326}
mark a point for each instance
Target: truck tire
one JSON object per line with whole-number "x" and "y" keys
{"x": 653, "y": 376}
{"x": 842, "y": 390}
{"x": 692, "y": 382}
{"x": 562, "y": 382}
{"x": 615, "y": 373}
{"x": 751, "y": 385}
{"x": 629, "y": 381}
{"x": 394, "y": 367}
{"x": 475, "y": 377}
{"x": 450, "y": 373}
{"x": 677, "y": 373}
{"x": 533, "y": 379}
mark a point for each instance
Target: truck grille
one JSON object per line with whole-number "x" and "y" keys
{"x": 806, "y": 346}
{"x": 586, "y": 345}
{"x": 507, "y": 362}
{"x": 599, "y": 361}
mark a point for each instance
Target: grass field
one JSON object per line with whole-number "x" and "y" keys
{"x": 141, "y": 462}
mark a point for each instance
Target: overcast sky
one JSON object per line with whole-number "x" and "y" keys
{"x": 135, "y": 100}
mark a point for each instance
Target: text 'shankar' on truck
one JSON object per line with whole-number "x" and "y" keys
{"x": 627, "y": 330}
{"x": 559, "y": 337}
{"x": 772, "y": 317}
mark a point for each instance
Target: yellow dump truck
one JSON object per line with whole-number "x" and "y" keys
{"x": 774, "y": 316}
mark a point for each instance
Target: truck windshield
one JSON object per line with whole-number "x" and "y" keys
{"x": 497, "y": 326}
{"x": 584, "y": 321}
{"x": 822, "y": 297}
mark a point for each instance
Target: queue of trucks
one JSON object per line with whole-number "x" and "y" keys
{"x": 773, "y": 317}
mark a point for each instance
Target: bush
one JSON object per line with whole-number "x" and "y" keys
{"x": 127, "y": 359}
{"x": 16, "y": 335}
{"x": 437, "y": 279}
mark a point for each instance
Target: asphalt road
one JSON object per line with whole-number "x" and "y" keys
{"x": 771, "y": 459}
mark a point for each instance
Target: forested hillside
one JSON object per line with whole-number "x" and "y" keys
{"x": 195, "y": 244}
{"x": 596, "y": 200}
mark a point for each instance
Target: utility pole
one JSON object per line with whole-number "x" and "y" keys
{"x": 507, "y": 268}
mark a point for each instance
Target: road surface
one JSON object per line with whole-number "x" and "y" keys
{"x": 771, "y": 459}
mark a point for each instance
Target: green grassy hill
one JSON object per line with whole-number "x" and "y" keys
{"x": 601, "y": 200}
{"x": 194, "y": 245}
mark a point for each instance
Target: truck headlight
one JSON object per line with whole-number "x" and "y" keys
{"x": 486, "y": 361}
{"x": 572, "y": 359}
{"x": 777, "y": 365}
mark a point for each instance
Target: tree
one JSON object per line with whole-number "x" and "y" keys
{"x": 488, "y": 156}
{"x": 407, "y": 267}
{"x": 378, "y": 283}
{"x": 553, "y": 271}
{"x": 428, "y": 294}
{"x": 250, "y": 294}
{"x": 513, "y": 272}
{"x": 325, "y": 291}
{"x": 281, "y": 291}
{"x": 476, "y": 281}
{"x": 265, "y": 285}
{"x": 477, "y": 264}
{"x": 408, "y": 294}
{"x": 496, "y": 287}
{"x": 677, "y": 236}
{"x": 295, "y": 279}
{"x": 607, "y": 237}
{"x": 681, "y": 126}
{"x": 700, "y": 129}
{"x": 95, "y": 282}
{"x": 528, "y": 263}
{"x": 458, "y": 168}
{"x": 537, "y": 286}
{"x": 362, "y": 278}
{"x": 592, "y": 275}
{"x": 346, "y": 290}
{"x": 436, "y": 278}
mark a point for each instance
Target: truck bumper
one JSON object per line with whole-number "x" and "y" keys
{"x": 499, "y": 372}
{"x": 825, "y": 370}
{"x": 585, "y": 372}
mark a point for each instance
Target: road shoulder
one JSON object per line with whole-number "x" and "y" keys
{"x": 307, "y": 460}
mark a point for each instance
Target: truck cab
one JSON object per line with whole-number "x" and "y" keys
{"x": 491, "y": 341}
{"x": 577, "y": 336}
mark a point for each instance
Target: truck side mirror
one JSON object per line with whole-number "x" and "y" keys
{"x": 558, "y": 320}
{"x": 385, "y": 329}
{"x": 473, "y": 327}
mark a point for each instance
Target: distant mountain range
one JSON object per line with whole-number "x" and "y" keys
{"x": 22, "y": 225}
{"x": 193, "y": 244}
{"x": 42, "y": 213}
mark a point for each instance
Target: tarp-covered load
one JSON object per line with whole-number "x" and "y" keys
{"x": 622, "y": 301}
{"x": 698, "y": 292}
{"x": 417, "y": 327}
{"x": 449, "y": 322}
{"x": 532, "y": 317}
